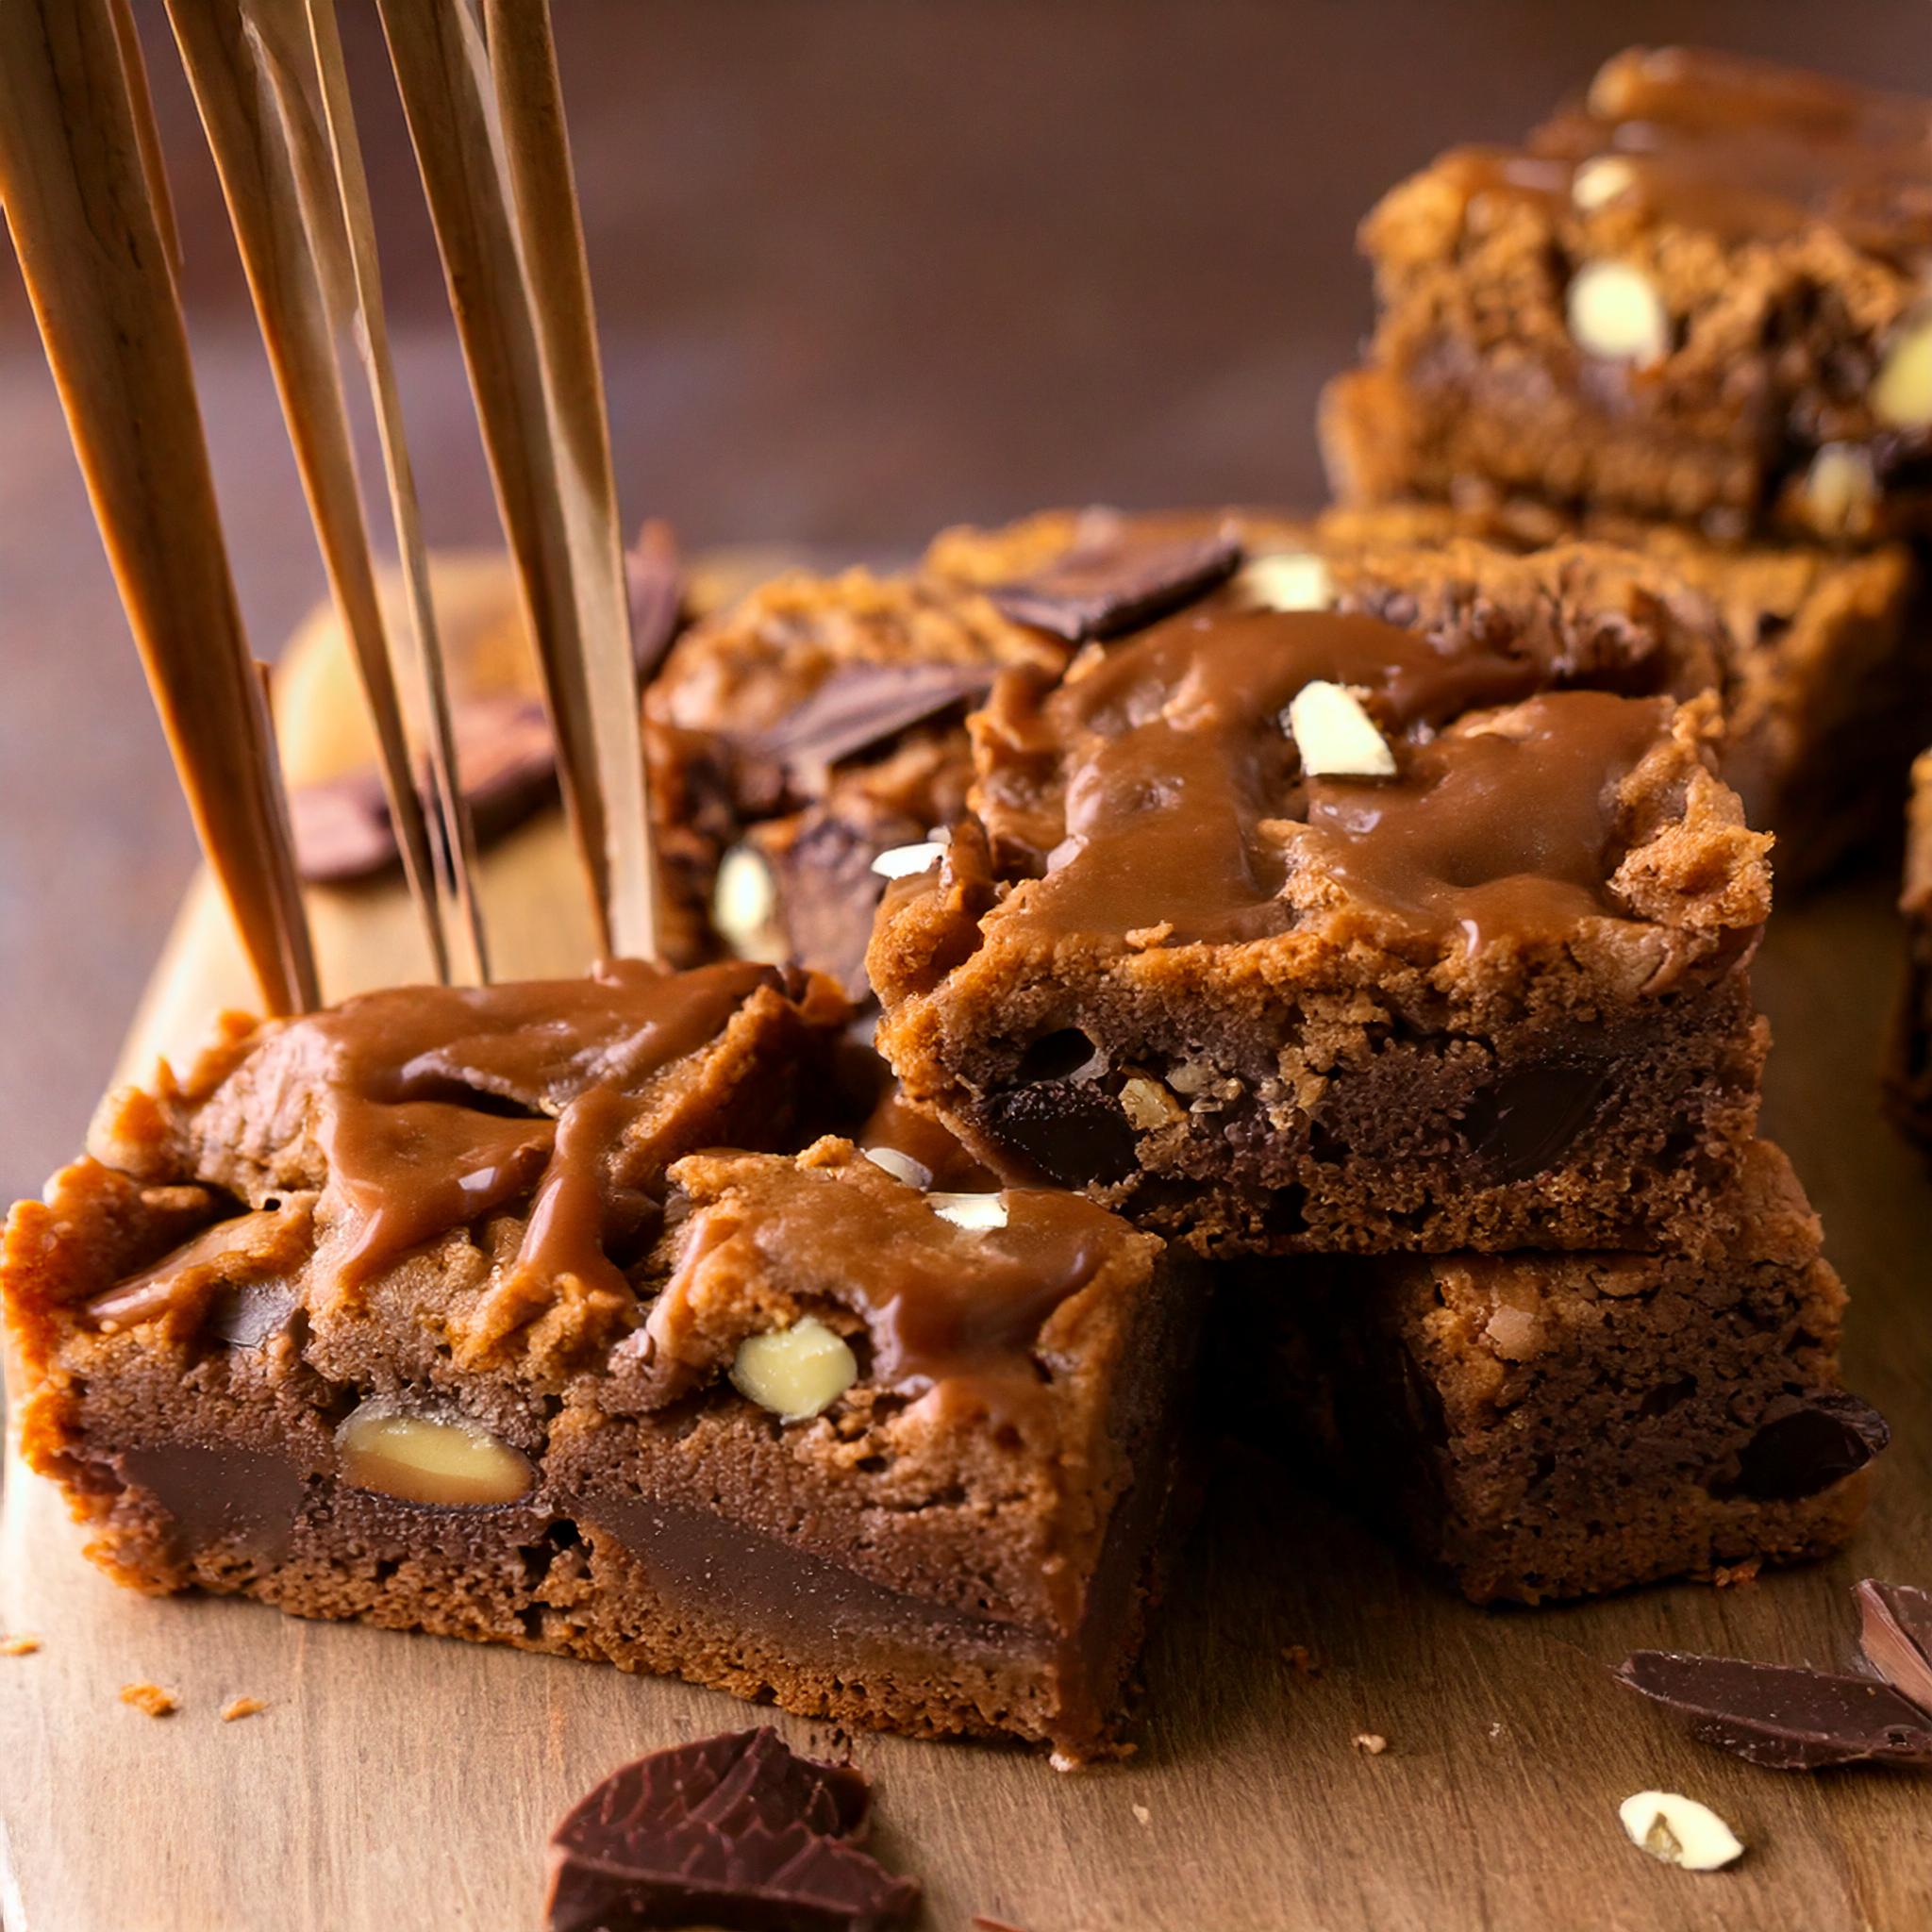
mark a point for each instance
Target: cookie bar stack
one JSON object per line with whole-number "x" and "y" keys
{"x": 1689, "y": 311}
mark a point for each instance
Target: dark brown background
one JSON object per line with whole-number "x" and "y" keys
{"x": 865, "y": 267}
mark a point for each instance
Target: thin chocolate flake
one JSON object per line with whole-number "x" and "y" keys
{"x": 1109, "y": 582}
{"x": 1805, "y": 1444}
{"x": 1895, "y": 1636}
{"x": 862, "y": 703}
{"x": 654, "y": 577}
{"x": 1786, "y": 1718}
{"x": 736, "y": 1832}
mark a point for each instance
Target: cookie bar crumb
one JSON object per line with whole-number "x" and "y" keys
{"x": 19, "y": 1646}
{"x": 242, "y": 1707}
{"x": 1372, "y": 1742}
{"x": 150, "y": 1698}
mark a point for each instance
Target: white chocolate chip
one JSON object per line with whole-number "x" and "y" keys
{"x": 1147, "y": 1104}
{"x": 1600, "y": 181}
{"x": 419, "y": 1458}
{"x": 902, "y": 1167}
{"x": 977, "y": 1213}
{"x": 1615, "y": 311}
{"x": 797, "y": 1371}
{"x": 1288, "y": 581}
{"x": 901, "y": 861}
{"x": 1336, "y": 737}
{"x": 744, "y": 902}
{"x": 1679, "y": 1831}
{"x": 1902, "y": 390}
{"x": 1841, "y": 489}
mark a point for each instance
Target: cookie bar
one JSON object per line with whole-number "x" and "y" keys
{"x": 423, "y": 1312}
{"x": 803, "y": 730}
{"x": 1697, "y": 295}
{"x": 1550, "y": 1425}
{"x": 1824, "y": 656}
{"x": 1908, "y": 1081}
{"x": 1289, "y": 929}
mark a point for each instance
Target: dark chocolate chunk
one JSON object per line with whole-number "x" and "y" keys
{"x": 507, "y": 760}
{"x": 1895, "y": 1635}
{"x": 1805, "y": 1444}
{"x": 861, "y": 704}
{"x": 1110, "y": 582}
{"x": 654, "y": 575}
{"x": 827, "y": 893}
{"x": 1526, "y": 1122}
{"x": 1789, "y": 1719}
{"x": 1071, "y": 1132}
{"x": 736, "y": 1832}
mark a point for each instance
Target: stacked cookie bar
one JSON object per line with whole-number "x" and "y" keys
{"x": 1688, "y": 309}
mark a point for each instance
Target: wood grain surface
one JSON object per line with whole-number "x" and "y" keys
{"x": 403, "y": 1782}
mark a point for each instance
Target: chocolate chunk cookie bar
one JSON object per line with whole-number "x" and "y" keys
{"x": 1697, "y": 295}
{"x": 803, "y": 730}
{"x": 1289, "y": 929}
{"x": 1555, "y": 1424}
{"x": 1909, "y": 1075}
{"x": 425, "y": 1310}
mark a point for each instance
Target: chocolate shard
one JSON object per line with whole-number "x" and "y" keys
{"x": 654, "y": 575}
{"x": 861, "y": 704}
{"x": 1109, "y": 582}
{"x": 736, "y": 1832}
{"x": 1805, "y": 1444}
{"x": 1895, "y": 1636}
{"x": 1787, "y": 1718}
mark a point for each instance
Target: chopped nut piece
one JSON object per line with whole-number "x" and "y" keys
{"x": 743, "y": 904}
{"x": 901, "y": 861}
{"x": 1191, "y": 1076}
{"x": 1141, "y": 1815}
{"x": 1147, "y": 1104}
{"x": 19, "y": 1646}
{"x": 975, "y": 1212}
{"x": 448, "y": 1460}
{"x": 796, "y": 1372}
{"x": 1841, "y": 489}
{"x": 150, "y": 1698}
{"x": 1600, "y": 181}
{"x": 1679, "y": 1830}
{"x": 902, "y": 1167}
{"x": 1336, "y": 737}
{"x": 1371, "y": 1741}
{"x": 241, "y": 1707}
{"x": 1615, "y": 311}
{"x": 1902, "y": 390}
{"x": 1288, "y": 581}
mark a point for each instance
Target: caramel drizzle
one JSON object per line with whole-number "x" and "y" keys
{"x": 535, "y": 400}
{"x": 94, "y": 250}
{"x": 255, "y": 83}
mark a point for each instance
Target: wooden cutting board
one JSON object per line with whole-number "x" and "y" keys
{"x": 397, "y": 1783}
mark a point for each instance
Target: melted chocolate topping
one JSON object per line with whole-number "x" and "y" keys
{"x": 1738, "y": 147}
{"x": 1175, "y": 786}
{"x": 437, "y": 1106}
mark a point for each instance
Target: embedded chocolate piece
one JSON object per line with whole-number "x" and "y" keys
{"x": 1807, "y": 1442}
{"x": 1786, "y": 1718}
{"x": 860, "y": 704}
{"x": 1111, "y": 581}
{"x": 1895, "y": 1635}
{"x": 1072, "y": 1132}
{"x": 736, "y": 1832}
{"x": 1526, "y": 1120}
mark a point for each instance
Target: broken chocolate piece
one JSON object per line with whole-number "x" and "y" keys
{"x": 861, "y": 704}
{"x": 1807, "y": 1442}
{"x": 1111, "y": 582}
{"x": 1072, "y": 1132}
{"x": 736, "y": 1832}
{"x": 1786, "y": 1718}
{"x": 1895, "y": 1635}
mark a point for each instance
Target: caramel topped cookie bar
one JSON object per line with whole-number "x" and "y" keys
{"x": 1295, "y": 930}
{"x": 429, "y": 1309}
{"x": 1698, "y": 294}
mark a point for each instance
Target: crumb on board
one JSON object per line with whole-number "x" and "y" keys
{"x": 983, "y": 1922}
{"x": 1372, "y": 1741}
{"x": 19, "y": 1646}
{"x": 1301, "y": 1659}
{"x": 1141, "y": 1815}
{"x": 150, "y": 1698}
{"x": 1732, "y": 1576}
{"x": 241, "y": 1707}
